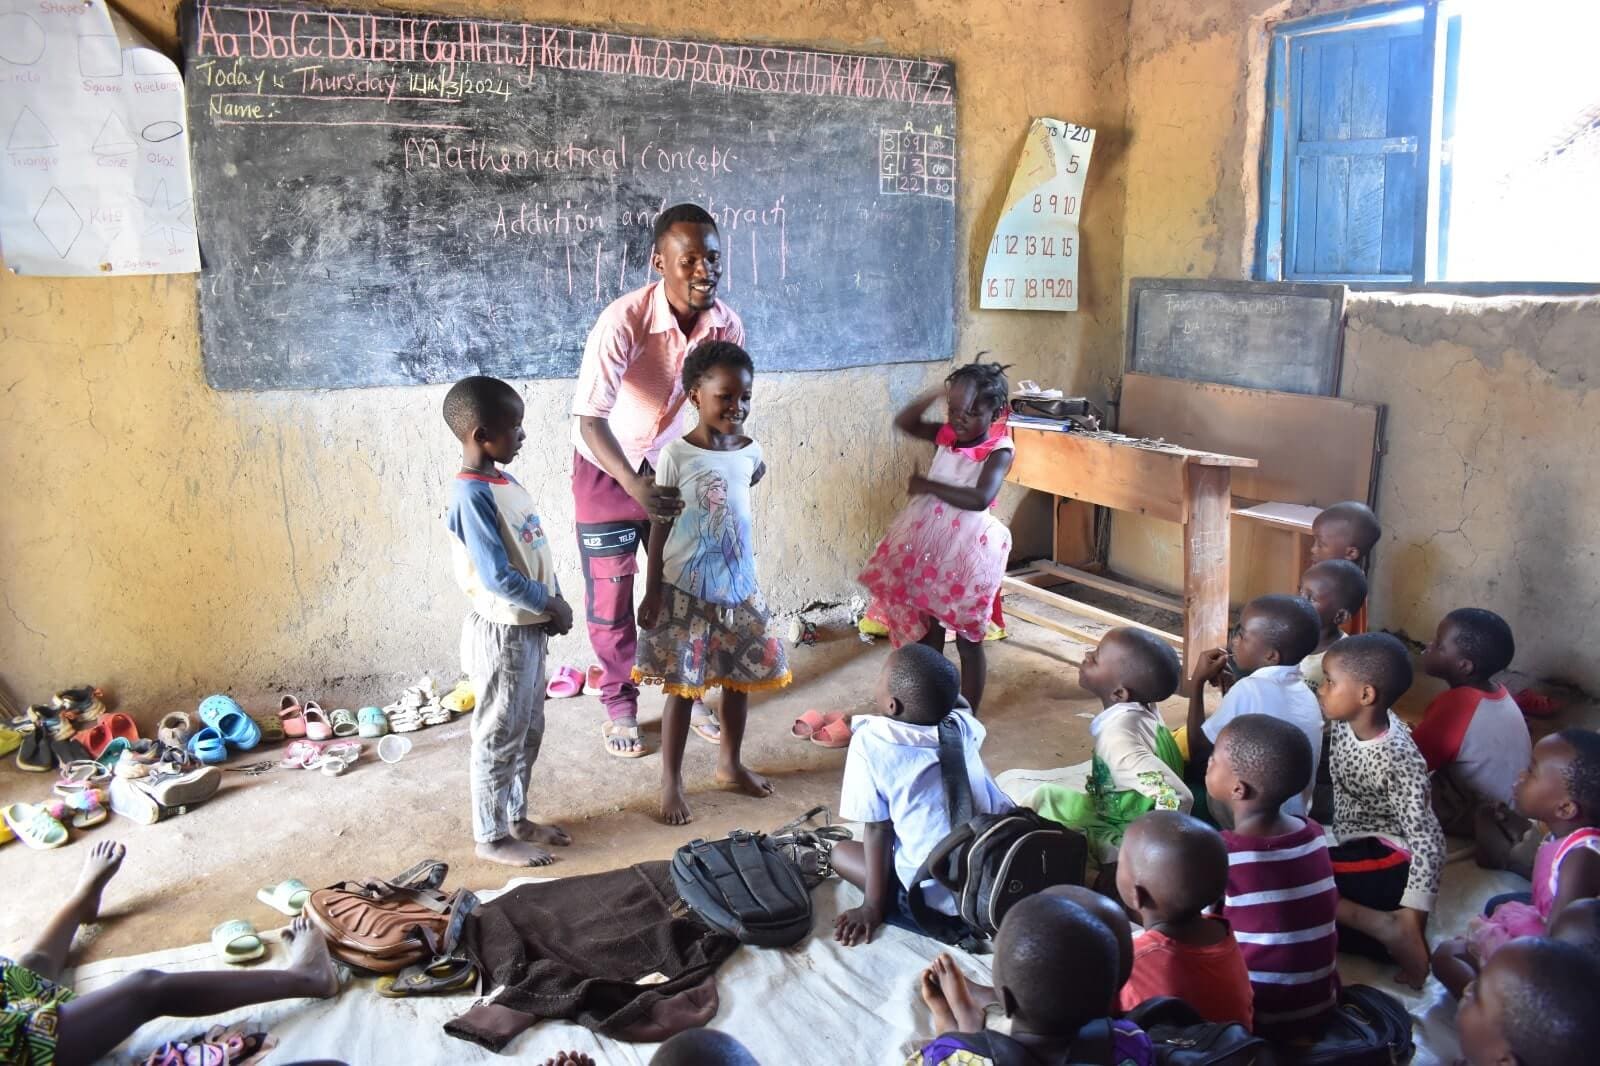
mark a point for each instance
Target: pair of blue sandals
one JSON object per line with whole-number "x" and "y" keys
{"x": 224, "y": 726}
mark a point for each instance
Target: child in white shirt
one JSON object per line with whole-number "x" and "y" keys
{"x": 893, "y": 784}
{"x": 1275, "y": 633}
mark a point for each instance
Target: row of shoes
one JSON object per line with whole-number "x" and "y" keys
{"x": 421, "y": 705}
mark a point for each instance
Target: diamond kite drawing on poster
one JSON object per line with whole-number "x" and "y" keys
{"x": 94, "y": 152}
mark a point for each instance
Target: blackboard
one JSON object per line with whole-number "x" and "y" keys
{"x": 1256, "y": 335}
{"x": 387, "y": 198}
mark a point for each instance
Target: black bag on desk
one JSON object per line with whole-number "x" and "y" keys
{"x": 989, "y": 862}
{"x": 745, "y": 887}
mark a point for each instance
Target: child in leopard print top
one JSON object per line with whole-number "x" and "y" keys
{"x": 1391, "y": 848}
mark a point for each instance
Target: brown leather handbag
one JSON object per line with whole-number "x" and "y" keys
{"x": 386, "y": 925}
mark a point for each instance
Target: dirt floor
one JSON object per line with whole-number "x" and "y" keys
{"x": 185, "y": 875}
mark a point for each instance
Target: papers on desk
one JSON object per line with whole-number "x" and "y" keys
{"x": 1059, "y": 425}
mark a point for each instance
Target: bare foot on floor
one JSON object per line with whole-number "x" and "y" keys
{"x": 942, "y": 1020}
{"x": 309, "y": 959}
{"x": 509, "y": 851}
{"x": 958, "y": 994}
{"x": 1404, "y": 940}
{"x": 745, "y": 780}
{"x": 101, "y": 865}
{"x": 536, "y": 833}
{"x": 570, "y": 1058}
{"x": 674, "y": 804}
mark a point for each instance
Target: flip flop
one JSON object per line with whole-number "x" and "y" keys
{"x": 34, "y": 754}
{"x": 835, "y": 734}
{"x": 566, "y": 683}
{"x": 609, "y": 730}
{"x": 286, "y": 897}
{"x": 703, "y": 712}
{"x": 451, "y": 975}
{"x": 344, "y": 722}
{"x": 316, "y": 720}
{"x": 224, "y": 715}
{"x": 373, "y": 722}
{"x": 33, "y": 825}
{"x": 812, "y": 721}
{"x": 593, "y": 679}
{"x": 208, "y": 746}
{"x": 83, "y": 808}
{"x": 299, "y": 754}
{"x": 289, "y": 713}
{"x": 237, "y": 941}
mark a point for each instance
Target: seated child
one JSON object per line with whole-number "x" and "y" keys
{"x": 1103, "y": 907}
{"x": 892, "y": 783}
{"x": 1391, "y": 850}
{"x": 1473, "y": 735}
{"x": 1280, "y": 897}
{"x": 702, "y": 1047}
{"x": 1347, "y": 530}
{"x": 1560, "y": 788}
{"x": 1173, "y": 867}
{"x": 1275, "y": 633}
{"x": 42, "y": 1022}
{"x": 1337, "y": 589}
{"x": 1136, "y": 766}
{"x": 1055, "y": 969}
{"x": 1533, "y": 1005}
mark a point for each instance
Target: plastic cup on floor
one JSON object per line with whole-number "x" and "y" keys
{"x": 393, "y": 748}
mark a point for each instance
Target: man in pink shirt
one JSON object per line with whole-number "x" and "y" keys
{"x": 629, "y": 404}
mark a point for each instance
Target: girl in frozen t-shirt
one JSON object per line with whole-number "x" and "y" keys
{"x": 703, "y": 622}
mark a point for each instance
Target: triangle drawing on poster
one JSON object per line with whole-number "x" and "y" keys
{"x": 29, "y": 132}
{"x": 113, "y": 138}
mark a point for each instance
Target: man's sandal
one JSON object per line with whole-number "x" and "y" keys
{"x": 610, "y": 731}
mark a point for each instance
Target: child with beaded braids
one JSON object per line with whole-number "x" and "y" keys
{"x": 939, "y": 566}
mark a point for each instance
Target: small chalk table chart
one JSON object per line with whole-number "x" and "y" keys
{"x": 917, "y": 163}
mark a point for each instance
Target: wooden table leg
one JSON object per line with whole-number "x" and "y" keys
{"x": 1207, "y": 503}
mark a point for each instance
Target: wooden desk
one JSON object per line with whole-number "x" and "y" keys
{"x": 1163, "y": 481}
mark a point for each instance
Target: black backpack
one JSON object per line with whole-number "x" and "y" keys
{"x": 990, "y": 861}
{"x": 1093, "y": 1047}
{"x": 1183, "y": 1038}
{"x": 745, "y": 887}
{"x": 1368, "y": 1028}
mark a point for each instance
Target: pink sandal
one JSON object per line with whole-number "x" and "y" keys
{"x": 293, "y": 719}
{"x": 316, "y": 720}
{"x": 566, "y": 683}
{"x": 807, "y": 724}
{"x": 835, "y": 734}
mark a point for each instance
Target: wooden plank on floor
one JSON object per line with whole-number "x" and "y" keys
{"x": 1113, "y": 586}
{"x": 1069, "y": 605}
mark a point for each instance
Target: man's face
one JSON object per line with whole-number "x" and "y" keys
{"x": 689, "y": 258}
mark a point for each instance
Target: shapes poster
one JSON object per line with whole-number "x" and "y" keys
{"x": 1032, "y": 264}
{"x": 94, "y": 149}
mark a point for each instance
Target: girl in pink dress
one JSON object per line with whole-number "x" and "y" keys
{"x": 939, "y": 566}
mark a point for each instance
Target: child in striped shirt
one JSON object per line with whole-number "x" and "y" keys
{"x": 1280, "y": 898}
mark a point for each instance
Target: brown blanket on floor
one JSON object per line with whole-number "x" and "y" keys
{"x": 617, "y": 952}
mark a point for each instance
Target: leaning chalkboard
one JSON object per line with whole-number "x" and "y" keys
{"x": 1257, "y": 335}
{"x": 387, "y": 198}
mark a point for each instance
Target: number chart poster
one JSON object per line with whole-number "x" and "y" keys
{"x": 1032, "y": 263}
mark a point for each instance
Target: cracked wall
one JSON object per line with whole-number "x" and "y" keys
{"x": 1491, "y": 477}
{"x": 167, "y": 540}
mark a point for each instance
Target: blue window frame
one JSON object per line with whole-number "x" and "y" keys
{"x": 1347, "y": 173}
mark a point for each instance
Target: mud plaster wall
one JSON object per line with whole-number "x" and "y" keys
{"x": 167, "y": 540}
{"x": 1490, "y": 485}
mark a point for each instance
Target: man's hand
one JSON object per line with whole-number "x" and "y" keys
{"x": 855, "y": 926}
{"x": 650, "y": 606}
{"x": 560, "y": 612}
{"x": 662, "y": 503}
{"x": 1210, "y": 666}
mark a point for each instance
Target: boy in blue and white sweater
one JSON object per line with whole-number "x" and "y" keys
{"x": 503, "y": 563}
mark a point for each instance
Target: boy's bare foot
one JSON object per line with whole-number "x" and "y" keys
{"x": 309, "y": 959}
{"x": 745, "y": 780}
{"x": 570, "y": 1058}
{"x": 963, "y": 1006}
{"x": 938, "y": 1007}
{"x": 674, "y": 804}
{"x": 508, "y": 851}
{"x": 101, "y": 865}
{"x": 1401, "y": 934}
{"x": 536, "y": 833}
